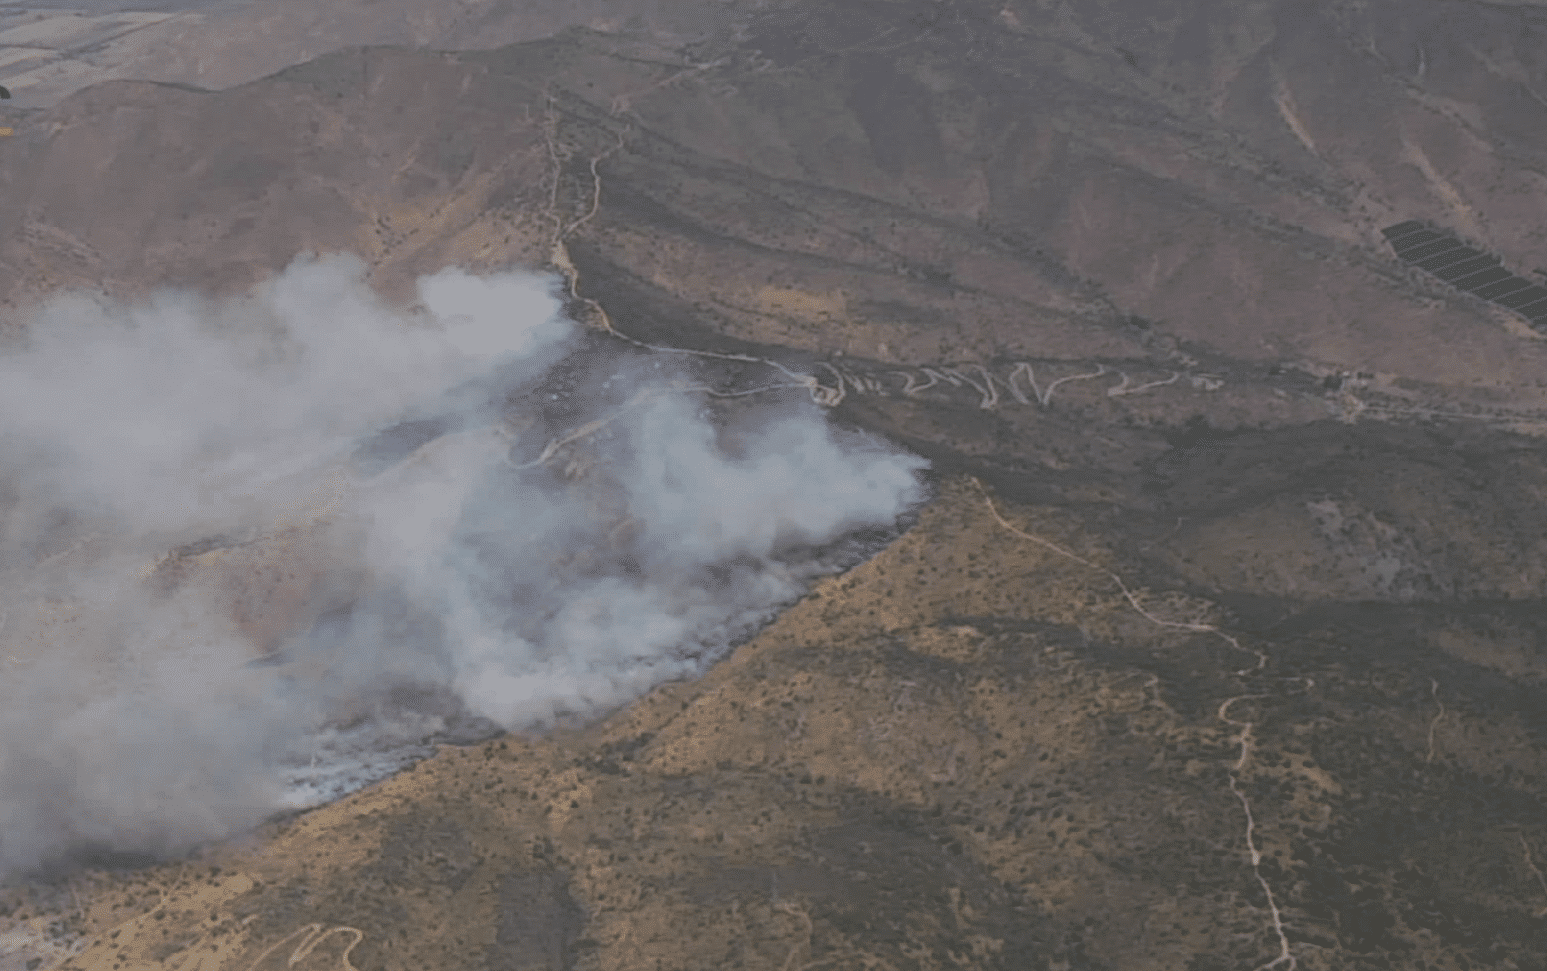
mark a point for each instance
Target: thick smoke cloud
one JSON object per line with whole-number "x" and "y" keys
{"x": 256, "y": 552}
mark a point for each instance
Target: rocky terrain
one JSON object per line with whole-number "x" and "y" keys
{"x": 1218, "y": 646}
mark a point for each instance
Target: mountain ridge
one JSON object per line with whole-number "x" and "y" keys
{"x": 1219, "y": 646}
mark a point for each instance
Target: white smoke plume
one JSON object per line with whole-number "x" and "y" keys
{"x": 254, "y": 553}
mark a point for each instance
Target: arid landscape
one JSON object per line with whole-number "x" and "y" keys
{"x": 1120, "y": 558}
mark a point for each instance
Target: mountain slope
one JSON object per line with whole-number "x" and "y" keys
{"x": 1220, "y": 646}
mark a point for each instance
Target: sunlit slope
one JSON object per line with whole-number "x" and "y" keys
{"x": 990, "y": 747}
{"x": 1270, "y": 699}
{"x": 898, "y": 184}
{"x": 49, "y": 53}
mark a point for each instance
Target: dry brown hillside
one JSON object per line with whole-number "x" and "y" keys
{"x": 1220, "y": 646}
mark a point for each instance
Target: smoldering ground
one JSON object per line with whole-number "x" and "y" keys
{"x": 256, "y": 552}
